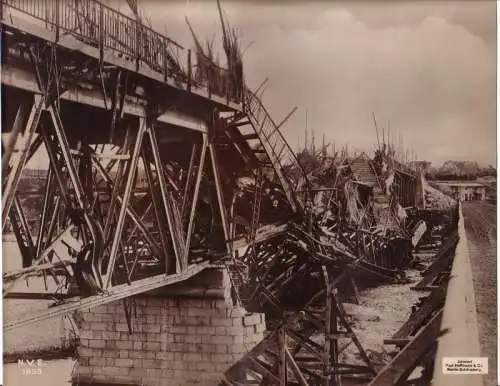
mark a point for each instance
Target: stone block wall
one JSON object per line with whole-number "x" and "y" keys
{"x": 175, "y": 341}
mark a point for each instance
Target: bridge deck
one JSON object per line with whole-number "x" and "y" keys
{"x": 115, "y": 39}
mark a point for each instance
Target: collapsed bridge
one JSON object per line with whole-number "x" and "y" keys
{"x": 167, "y": 179}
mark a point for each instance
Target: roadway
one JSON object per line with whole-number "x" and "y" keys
{"x": 480, "y": 225}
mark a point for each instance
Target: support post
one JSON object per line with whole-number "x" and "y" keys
{"x": 57, "y": 5}
{"x": 43, "y": 218}
{"x": 157, "y": 208}
{"x": 27, "y": 248}
{"x": 165, "y": 59}
{"x": 54, "y": 166}
{"x": 175, "y": 227}
{"x": 283, "y": 357}
{"x": 190, "y": 70}
{"x": 101, "y": 33}
{"x": 187, "y": 187}
{"x": 21, "y": 114}
{"x": 118, "y": 180}
{"x": 194, "y": 204}
{"x": 220, "y": 197}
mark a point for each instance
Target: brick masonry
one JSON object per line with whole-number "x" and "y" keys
{"x": 175, "y": 341}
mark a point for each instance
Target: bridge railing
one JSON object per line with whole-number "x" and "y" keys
{"x": 291, "y": 173}
{"x": 105, "y": 28}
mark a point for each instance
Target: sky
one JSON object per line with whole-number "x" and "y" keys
{"x": 426, "y": 69}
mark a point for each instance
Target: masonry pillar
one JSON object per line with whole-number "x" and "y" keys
{"x": 186, "y": 334}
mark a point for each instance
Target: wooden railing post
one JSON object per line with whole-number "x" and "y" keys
{"x": 57, "y": 3}
{"x": 137, "y": 44}
{"x": 101, "y": 33}
{"x": 190, "y": 71}
{"x": 227, "y": 84}
{"x": 210, "y": 80}
{"x": 165, "y": 59}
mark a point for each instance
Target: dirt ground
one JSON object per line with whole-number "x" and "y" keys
{"x": 480, "y": 225}
{"x": 381, "y": 312}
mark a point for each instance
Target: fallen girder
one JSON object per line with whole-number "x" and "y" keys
{"x": 117, "y": 292}
{"x": 305, "y": 348}
{"x": 299, "y": 282}
{"x": 281, "y": 277}
{"x": 416, "y": 339}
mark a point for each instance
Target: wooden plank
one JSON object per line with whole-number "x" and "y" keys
{"x": 437, "y": 268}
{"x": 442, "y": 254}
{"x": 295, "y": 368}
{"x": 407, "y": 359}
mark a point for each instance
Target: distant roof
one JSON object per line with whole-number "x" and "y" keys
{"x": 460, "y": 183}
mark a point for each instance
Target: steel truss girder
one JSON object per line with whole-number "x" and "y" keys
{"x": 96, "y": 232}
{"x": 130, "y": 211}
{"x": 64, "y": 169}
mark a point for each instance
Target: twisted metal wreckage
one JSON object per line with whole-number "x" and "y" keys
{"x": 231, "y": 191}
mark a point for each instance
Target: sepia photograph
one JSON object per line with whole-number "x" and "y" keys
{"x": 249, "y": 192}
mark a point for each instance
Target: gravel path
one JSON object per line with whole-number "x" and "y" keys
{"x": 480, "y": 225}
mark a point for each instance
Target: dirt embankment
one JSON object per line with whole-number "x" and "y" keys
{"x": 480, "y": 225}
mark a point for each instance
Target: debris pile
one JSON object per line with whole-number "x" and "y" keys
{"x": 362, "y": 219}
{"x": 435, "y": 199}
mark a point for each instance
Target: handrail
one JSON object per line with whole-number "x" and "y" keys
{"x": 282, "y": 155}
{"x": 104, "y": 27}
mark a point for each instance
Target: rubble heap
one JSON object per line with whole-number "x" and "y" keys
{"x": 435, "y": 199}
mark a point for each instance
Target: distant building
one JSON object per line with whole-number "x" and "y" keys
{"x": 463, "y": 190}
{"x": 34, "y": 173}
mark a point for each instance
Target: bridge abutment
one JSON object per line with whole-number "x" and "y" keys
{"x": 177, "y": 338}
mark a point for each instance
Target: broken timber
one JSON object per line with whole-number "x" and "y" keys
{"x": 441, "y": 265}
{"x": 305, "y": 348}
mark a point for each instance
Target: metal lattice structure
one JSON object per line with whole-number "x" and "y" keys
{"x": 140, "y": 157}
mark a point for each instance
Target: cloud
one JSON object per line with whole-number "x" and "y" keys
{"x": 427, "y": 67}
